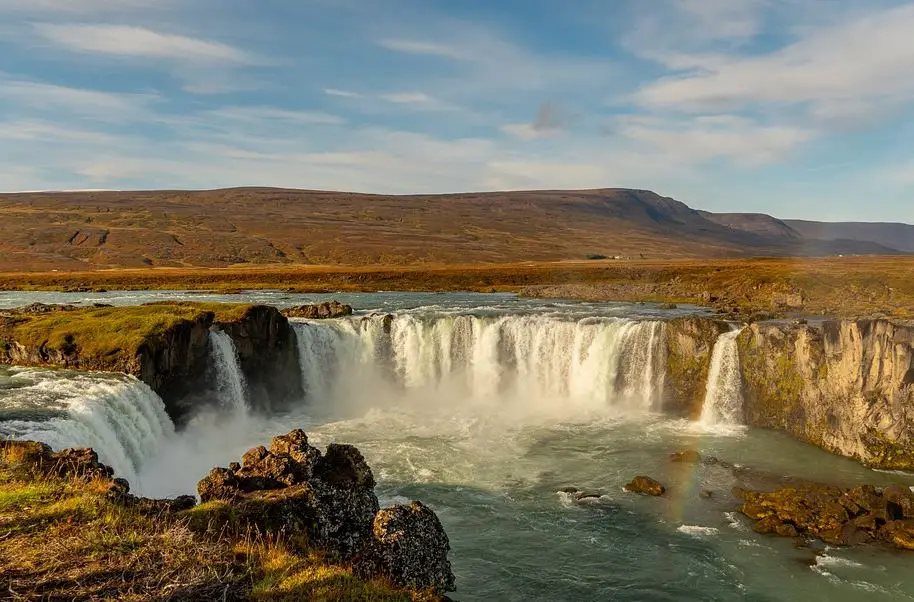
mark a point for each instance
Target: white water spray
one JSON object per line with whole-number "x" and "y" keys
{"x": 595, "y": 362}
{"x": 121, "y": 418}
{"x": 724, "y": 397}
{"x": 230, "y": 381}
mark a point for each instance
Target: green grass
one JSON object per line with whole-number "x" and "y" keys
{"x": 110, "y": 335}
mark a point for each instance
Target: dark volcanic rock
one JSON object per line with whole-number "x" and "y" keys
{"x": 39, "y": 458}
{"x": 319, "y": 311}
{"x": 327, "y": 501}
{"x": 645, "y": 486}
{"x": 409, "y": 547}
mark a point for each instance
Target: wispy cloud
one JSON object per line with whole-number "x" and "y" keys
{"x": 342, "y": 93}
{"x": 421, "y": 47}
{"x": 121, "y": 40}
{"x": 852, "y": 69}
{"x": 259, "y": 114}
{"x": 100, "y": 105}
{"x": 550, "y": 119}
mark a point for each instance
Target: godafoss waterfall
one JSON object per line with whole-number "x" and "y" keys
{"x": 520, "y": 423}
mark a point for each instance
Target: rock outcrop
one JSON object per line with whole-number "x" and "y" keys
{"x": 176, "y": 361}
{"x": 327, "y": 501}
{"x": 845, "y": 386}
{"x": 319, "y": 311}
{"x": 645, "y": 486}
{"x": 690, "y": 345}
{"x": 70, "y": 463}
{"x": 834, "y": 515}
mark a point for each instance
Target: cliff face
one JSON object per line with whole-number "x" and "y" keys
{"x": 690, "y": 344}
{"x": 268, "y": 354}
{"x": 175, "y": 360}
{"x": 846, "y": 386}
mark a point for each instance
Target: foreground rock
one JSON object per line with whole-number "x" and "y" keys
{"x": 834, "y": 515}
{"x": 327, "y": 501}
{"x": 645, "y": 486}
{"x": 69, "y": 463}
{"x": 319, "y": 311}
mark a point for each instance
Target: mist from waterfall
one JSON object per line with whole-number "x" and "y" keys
{"x": 230, "y": 382}
{"x": 724, "y": 395}
{"x": 534, "y": 360}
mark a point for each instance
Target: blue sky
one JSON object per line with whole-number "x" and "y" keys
{"x": 799, "y": 108}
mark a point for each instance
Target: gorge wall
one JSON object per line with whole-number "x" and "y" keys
{"x": 846, "y": 386}
{"x": 176, "y": 361}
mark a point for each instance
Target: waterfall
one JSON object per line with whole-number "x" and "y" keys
{"x": 724, "y": 397}
{"x": 121, "y": 418}
{"x": 230, "y": 381}
{"x": 600, "y": 361}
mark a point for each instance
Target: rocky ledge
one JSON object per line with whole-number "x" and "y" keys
{"x": 837, "y": 516}
{"x": 319, "y": 311}
{"x": 328, "y": 501}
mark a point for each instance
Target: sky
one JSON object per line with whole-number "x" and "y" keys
{"x": 797, "y": 108}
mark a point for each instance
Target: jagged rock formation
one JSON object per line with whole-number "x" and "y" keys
{"x": 328, "y": 501}
{"x": 846, "y": 386}
{"x": 319, "y": 311}
{"x": 834, "y": 515}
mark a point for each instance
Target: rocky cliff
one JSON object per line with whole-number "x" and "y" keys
{"x": 689, "y": 346}
{"x": 846, "y": 386}
{"x": 166, "y": 345}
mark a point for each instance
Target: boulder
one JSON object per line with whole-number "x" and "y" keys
{"x": 39, "y": 458}
{"x": 409, "y": 547}
{"x": 899, "y": 502}
{"x": 319, "y": 311}
{"x": 219, "y": 484}
{"x": 645, "y": 486}
{"x": 899, "y": 533}
{"x": 689, "y": 456}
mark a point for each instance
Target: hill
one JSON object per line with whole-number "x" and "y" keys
{"x": 898, "y": 236}
{"x": 92, "y": 230}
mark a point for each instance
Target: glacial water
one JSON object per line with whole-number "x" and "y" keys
{"x": 484, "y": 407}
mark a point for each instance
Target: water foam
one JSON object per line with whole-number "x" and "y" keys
{"x": 723, "y": 402}
{"x": 118, "y": 416}
{"x": 230, "y": 381}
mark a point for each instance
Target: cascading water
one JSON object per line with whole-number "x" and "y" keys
{"x": 230, "y": 381}
{"x": 118, "y": 416}
{"x": 601, "y": 361}
{"x": 724, "y": 397}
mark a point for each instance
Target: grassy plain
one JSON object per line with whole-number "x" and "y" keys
{"x": 839, "y": 286}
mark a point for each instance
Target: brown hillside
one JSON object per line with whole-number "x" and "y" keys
{"x": 90, "y": 230}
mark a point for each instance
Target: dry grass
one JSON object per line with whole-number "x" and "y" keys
{"x": 62, "y": 539}
{"x": 852, "y": 286}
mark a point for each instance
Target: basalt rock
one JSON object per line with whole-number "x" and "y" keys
{"x": 39, "y": 458}
{"x": 689, "y": 456}
{"x": 833, "y": 515}
{"x": 645, "y": 486}
{"x": 319, "y": 311}
{"x": 408, "y": 547}
{"x": 327, "y": 501}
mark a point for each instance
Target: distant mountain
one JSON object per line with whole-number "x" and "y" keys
{"x": 898, "y": 236}
{"x": 92, "y": 229}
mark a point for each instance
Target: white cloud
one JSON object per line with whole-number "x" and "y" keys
{"x": 122, "y": 40}
{"x": 89, "y": 103}
{"x": 78, "y": 6}
{"x": 711, "y": 137}
{"x": 33, "y": 130}
{"x": 854, "y": 68}
{"x": 408, "y": 98}
{"x": 426, "y": 48}
{"x": 260, "y": 114}
{"x": 342, "y": 93}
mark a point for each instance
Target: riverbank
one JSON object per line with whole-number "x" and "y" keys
{"x": 836, "y": 286}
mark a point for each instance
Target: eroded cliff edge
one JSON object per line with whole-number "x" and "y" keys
{"x": 846, "y": 386}
{"x": 166, "y": 345}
